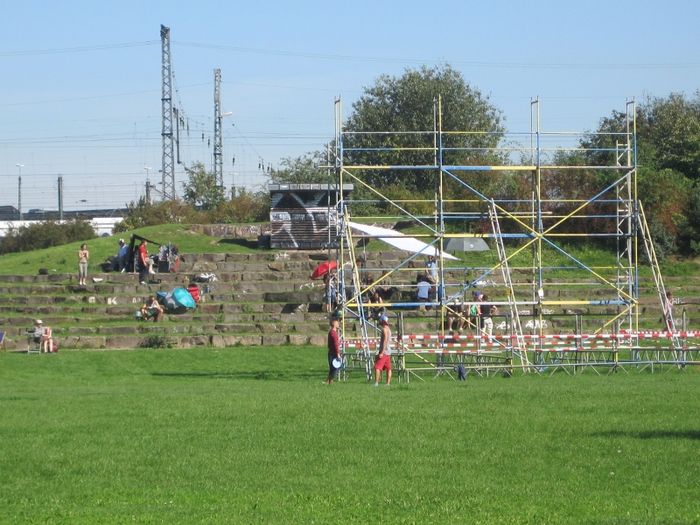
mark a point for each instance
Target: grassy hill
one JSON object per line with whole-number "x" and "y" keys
{"x": 63, "y": 259}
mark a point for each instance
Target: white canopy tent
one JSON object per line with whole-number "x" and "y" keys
{"x": 399, "y": 240}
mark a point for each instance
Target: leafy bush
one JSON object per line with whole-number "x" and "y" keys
{"x": 45, "y": 235}
{"x": 664, "y": 240}
{"x": 156, "y": 341}
{"x": 142, "y": 213}
{"x": 245, "y": 206}
{"x": 690, "y": 230}
{"x": 201, "y": 190}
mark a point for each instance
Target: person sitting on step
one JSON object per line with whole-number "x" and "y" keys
{"x": 42, "y": 336}
{"x": 152, "y": 309}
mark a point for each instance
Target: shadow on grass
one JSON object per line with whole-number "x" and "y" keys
{"x": 651, "y": 434}
{"x": 245, "y": 243}
{"x": 260, "y": 375}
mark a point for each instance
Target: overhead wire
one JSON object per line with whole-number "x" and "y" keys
{"x": 77, "y": 49}
{"x": 92, "y": 97}
{"x": 470, "y": 63}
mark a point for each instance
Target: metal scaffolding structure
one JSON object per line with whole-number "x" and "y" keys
{"x": 534, "y": 197}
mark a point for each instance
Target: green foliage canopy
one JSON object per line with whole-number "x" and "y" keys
{"x": 40, "y": 235}
{"x": 407, "y": 104}
{"x": 201, "y": 189}
{"x": 668, "y": 149}
{"x": 306, "y": 169}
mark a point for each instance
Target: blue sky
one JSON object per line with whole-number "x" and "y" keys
{"x": 76, "y": 103}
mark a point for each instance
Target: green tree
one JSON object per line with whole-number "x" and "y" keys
{"x": 244, "y": 206}
{"x": 674, "y": 131}
{"x": 306, "y": 169}
{"x": 664, "y": 194}
{"x": 689, "y": 238}
{"x": 201, "y": 189}
{"x": 142, "y": 213}
{"x": 406, "y": 104}
{"x": 668, "y": 135}
{"x": 668, "y": 156}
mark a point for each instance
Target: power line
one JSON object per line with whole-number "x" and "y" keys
{"x": 284, "y": 86}
{"x": 94, "y": 97}
{"x": 478, "y": 64}
{"x": 77, "y": 49}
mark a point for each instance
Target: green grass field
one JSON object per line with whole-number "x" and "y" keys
{"x": 253, "y": 436}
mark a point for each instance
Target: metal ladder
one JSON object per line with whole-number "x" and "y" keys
{"x": 658, "y": 280}
{"x": 519, "y": 349}
{"x": 366, "y": 353}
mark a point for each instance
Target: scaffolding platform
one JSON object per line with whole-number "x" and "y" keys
{"x": 501, "y": 188}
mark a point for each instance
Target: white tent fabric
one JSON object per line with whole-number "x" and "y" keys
{"x": 466, "y": 244}
{"x": 399, "y": 240}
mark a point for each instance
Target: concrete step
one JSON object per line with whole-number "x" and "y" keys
{"x": 263, "y": 298}
{"x": 115, "y": 342}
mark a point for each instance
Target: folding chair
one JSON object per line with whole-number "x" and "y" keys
{"x": 33, "y": 347}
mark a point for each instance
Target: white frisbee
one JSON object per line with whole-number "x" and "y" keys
{"x": 337, "y": 363}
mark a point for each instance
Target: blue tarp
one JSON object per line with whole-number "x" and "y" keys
{"x": 183, "y": 298}
{"x": 177, "y": 301}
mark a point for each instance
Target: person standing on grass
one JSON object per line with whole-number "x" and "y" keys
{"x": 383, "y": 360}
{"x": 83, "y": 257}
{"x": 333, "y": 349}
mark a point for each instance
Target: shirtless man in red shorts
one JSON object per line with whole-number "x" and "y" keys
{"x": 383, "y": 361}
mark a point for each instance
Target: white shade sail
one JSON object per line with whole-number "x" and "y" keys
{"x": 399, "y": 240}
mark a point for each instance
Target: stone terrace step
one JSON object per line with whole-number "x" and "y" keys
{"x": 263, "y": 298}
{"x": 183, "y": 341}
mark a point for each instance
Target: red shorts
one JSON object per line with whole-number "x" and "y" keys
{"x": 383, "y": 363}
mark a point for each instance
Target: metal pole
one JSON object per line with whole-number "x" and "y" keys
{"x": 540, "y": 226}
{"x": 19, "y": 190}
{"x": 19, "y": 196}
{"x": 329, "y": 175}
{"x": 177, "y": 135}
{"x": 60, "y": 198}
{"x": 634, "y": 197}
{"x": 148, "y": 185}
{"x": 440, "y": 218}
{"x": 340, "y": 218}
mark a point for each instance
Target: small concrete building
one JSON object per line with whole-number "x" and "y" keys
{"x": 303, "y": 216}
